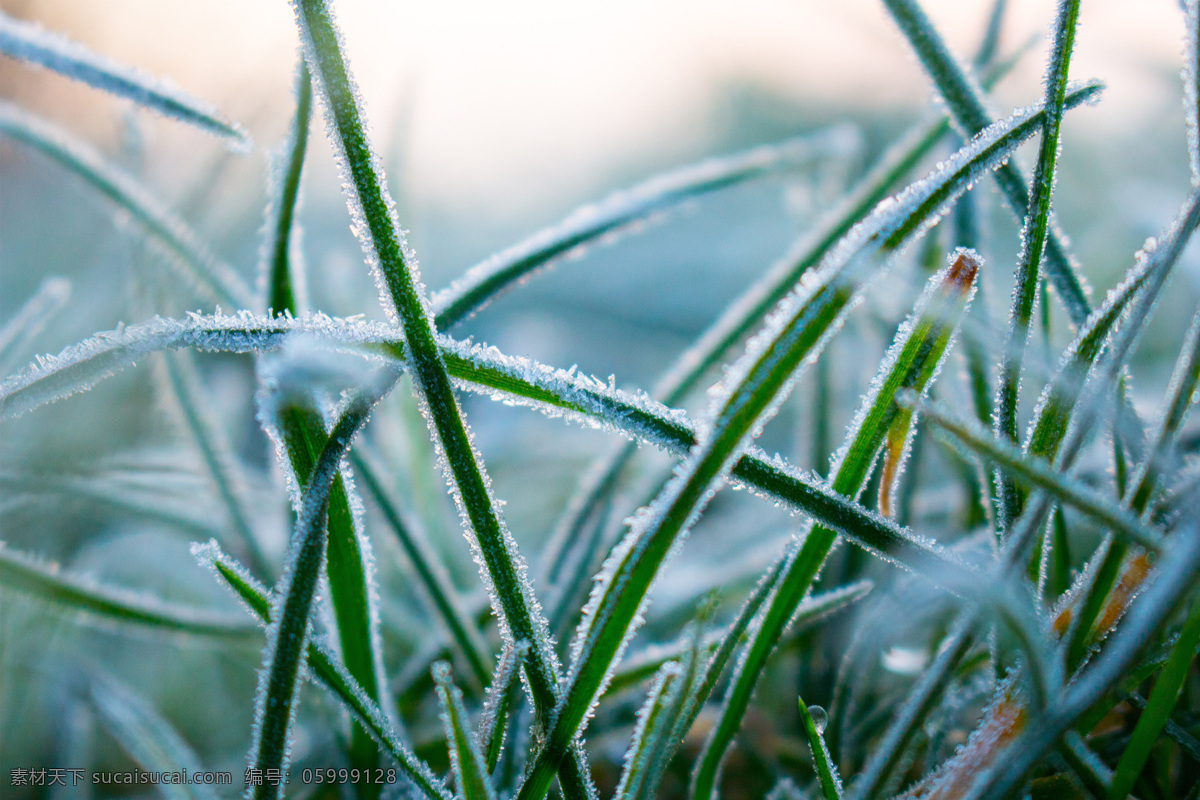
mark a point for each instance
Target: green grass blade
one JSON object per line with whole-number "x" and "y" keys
{"x": 30, "y": 43}
{"x": 747, "y": 312}
{"x": 373, "y": 212}
{"x": 18, "y": 332}
{"x": 348, "y": 559}
{"x": 1180, "y": 395}
{"x": 110, "y": 604}
{"x": 653, "y": 724}
{"x": 147, "y": 737}
{"x": 831, "y": 784}
{"x": 215, "y": 451}
{"x": 903, "y": 727}
{"x": 1039, "y": 473}
{"x": 1158, "y": 710}
{"x": 432, "y": 574}
{"x": 327, "y": 670}
{"x": 911, "y": 363}
{"x": 1034, "y": 233}
{"x": 466, "y": 760}
{"x": 483, "y": 282}
{"x": 199, "y": 266}
{"x": 636, "y": 668}
{"x": 502, "y": 698}
{"x": 965, "y": 99}
{"x": 1143, "y": 283}
{"x": 1091, "y": 770}
{"x": 284, "y": 279}
{"x": 291, "y": 618}
{"x": 1147, "y": 614}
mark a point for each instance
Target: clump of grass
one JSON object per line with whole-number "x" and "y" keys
{"x": 1058, "y": 620}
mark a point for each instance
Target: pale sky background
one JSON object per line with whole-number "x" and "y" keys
{"x": 497, "y": 92}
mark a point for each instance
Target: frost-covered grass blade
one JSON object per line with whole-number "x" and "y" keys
{"x": 327, "y": 670}
{"x": 111, "y": 605}
{"x": 601, "y": 221}
{"x": 831, "y": 784}
{"x": 911, "y": 364}
{"x": 30, "y": 43}
{"x": 470, "y": 769}
{"x": 217, "y": 280}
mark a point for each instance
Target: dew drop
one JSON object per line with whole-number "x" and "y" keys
{"x": 819, "y": 716}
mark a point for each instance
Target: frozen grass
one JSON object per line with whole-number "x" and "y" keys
{"x": 1042, "y": 642}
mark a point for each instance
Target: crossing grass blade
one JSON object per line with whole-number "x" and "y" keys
{"x": 480, "y": 284}
{"x": 207, "y": 273}
{"x": 113, "y": 606}
{"x": 747, "y": 312}
{"x": 1034, "y": 234}
{"x": 466, "y": 760}
{"x": 968, "y": 106}
{"x": 403, "y": 297}
{"x": 326, "y": 669}
{"x": 290, "y": 629}
{"x": 911, "y": 363}
{"x": 1040, "y": 474}
{"x": 30, "y": 43}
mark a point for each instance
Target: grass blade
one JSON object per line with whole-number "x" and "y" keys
{"x": 215, "y": 451}
{"x": 1034, "y": 233}
{"x": 965, "y": 100}
{"x": 199, "y": 266}
{"x": 911, "y": 362}
{"x": 291, "y": 617}
{"x": 478, "y": 369}
{"x": 746, "y": 313}
{"x": 325, "y": 669}
{"x": 1158, "y": 710}
{"x": 284, "y": 278}
{"x": 483, "y": 282}
{"x": 831, "y": 784}
{"x": 30, "y": 43}
{"x": 31, "y": 317}
{"x": 1146, "y": 615}
{"x": 502, "y": 698}
{"x": 374, "y": 216}
{"x": 1144, "y": 282}
{"x": 466, "y": 760}
{"x": 654, "y": 721}
{"x": 112, "y": 605}
{"x": 432, "y": 575}
{"x": 1039, "y": 473}
{"x": 1180, "y": 395}
{"x": 348, "y": 557}
{"x": 147, "y": 737}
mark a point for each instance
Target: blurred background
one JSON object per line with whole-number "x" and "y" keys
{"x": 493, "y": 120}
